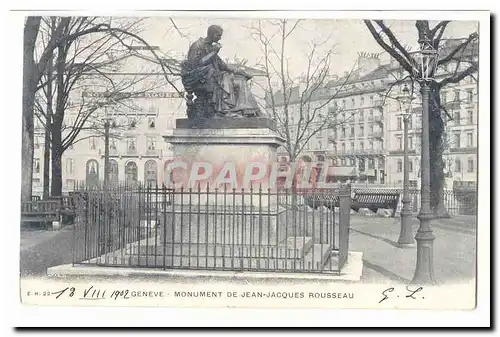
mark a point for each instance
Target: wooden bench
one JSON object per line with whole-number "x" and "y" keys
{"x": 328, "y": 200}
{"x": 375, "y": 200}
{"x": 40, "y": 211}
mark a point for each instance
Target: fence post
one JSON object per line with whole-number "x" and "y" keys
{"x": 344, "y": 223}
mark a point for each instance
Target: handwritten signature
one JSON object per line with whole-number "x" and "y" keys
{"x": 411, "y": 293}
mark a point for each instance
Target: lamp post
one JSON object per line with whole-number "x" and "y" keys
{"x": 405, "y": 235}
{"x": 423, "y": 72}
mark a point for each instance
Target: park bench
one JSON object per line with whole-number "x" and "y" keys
{"x": 375, "y": 200}
{"x": 327, "y": 198}
{"x": 40, "y": 211}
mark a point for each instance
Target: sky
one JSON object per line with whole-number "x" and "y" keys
{"x": 346, "y": 37}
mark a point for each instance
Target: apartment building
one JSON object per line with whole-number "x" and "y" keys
{"x": 137, "y": 149}
{"x": 365, "y": 143}
{"x": 459, "y": 103}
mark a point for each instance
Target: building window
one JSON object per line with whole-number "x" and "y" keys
{"x": 131, "y": 172}
{"x": 361, "y": 115}
{"x": 352, "y": 162}
{"x": 410, "y": 165}
{"x": 400, "y": 123}
{"x": 457, "y": 118}
{"x": 133, "y": 123}
{"x": 343, "y": 132}
{"x": 131, "y": 146}
{"x": 371, "y": 114}
{"x": 443, "y": 97}
{"x": 151, "y": 122}
{"x": 319, "y": 145}
{"x": 37, "y": 142}
{"x": 343, "y": 103}
{"x": 470, "y": 166}
{"x": 343, "y": 148}
{"x": 410, "y": 142}
{"x": 113, "y": 145}
{"x": 470, "y": 95}
{"x": 70, "y": 166}
{"x": 342, "y": 162}
{"x": 371, "y": 163}
{"x": 151, "y": 141}
{"x": 470, "y": 140}
{"x": 371, "y": 129}
{"x": 457, "y": 96}
{"x": 362, "y": 131}
{"x": 457, "y": 140}
{"x": 361, "y": 165}
{"x": 362, "y": 101}
{"x": 371, "y": 101}
{"x": 362, "y": 146}
{"x": 150, "y": 173}
{"x": 400, "y": 165}
{"x": 352, "y": 146}
{"x": 151, "y": 107}
{"x": 470, "y": 117}
{"x": 400, "y": 142}
{"x": 113, "y": 171}
{"x": 410, "y": 122}
{"x": 458, "y": 165}
{"x": 92, "y": 143}
{"x": 371, "y": 145}
{"x": 36, "y": 165}
{"x": 352, "y": 131}
{"x": 353, "y": 103}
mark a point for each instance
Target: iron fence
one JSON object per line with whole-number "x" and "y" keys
{"x": 212, "y": 229}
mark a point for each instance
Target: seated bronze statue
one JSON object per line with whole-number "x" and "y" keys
{"x": 220, "y": 90}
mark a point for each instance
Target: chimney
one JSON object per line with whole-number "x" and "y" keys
{"x": 368, "y": 62}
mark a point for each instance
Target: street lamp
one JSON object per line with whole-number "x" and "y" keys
{"x": 405, "y": 235}
{"x": 423, "y": 72}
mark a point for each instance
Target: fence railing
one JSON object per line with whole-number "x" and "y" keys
{"x": 213, "y": 229}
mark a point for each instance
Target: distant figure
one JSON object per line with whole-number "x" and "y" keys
{"x": 220, "y": 90}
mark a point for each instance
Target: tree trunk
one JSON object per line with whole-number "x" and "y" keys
{"x": 58, "y": 118}
{"x": 436, "y": 130}
{"x": 56, "y": 186}
{"x": 48, "y": 122}
{"x": 29, "y": 75}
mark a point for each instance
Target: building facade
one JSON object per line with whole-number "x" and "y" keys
{"x": 137, "y": 124}
{"x": 364, "y": 139}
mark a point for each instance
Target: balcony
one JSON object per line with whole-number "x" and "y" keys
{"x": 453, "y": 105}
{"x": 156, "y": 153}
{"x": 361, "y": 152}
{"x": 469, "y": 150}
{"x": 400, "y": 152}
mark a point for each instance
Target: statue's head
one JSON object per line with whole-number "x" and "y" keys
{"x": 214, "y": 33}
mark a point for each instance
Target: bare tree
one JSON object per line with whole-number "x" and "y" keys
{"x": 301, "y": 105}
{"x": 60, "y": 41}
{"x": 463, "y": 55}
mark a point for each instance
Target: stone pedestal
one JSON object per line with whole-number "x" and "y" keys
{"x": 231, "y": 147}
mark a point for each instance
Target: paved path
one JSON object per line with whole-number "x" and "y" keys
{"x": 454, "y": 249}
{"x": 42, "y": 249}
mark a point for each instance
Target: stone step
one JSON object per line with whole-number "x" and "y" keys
{"x": 226, "y": 263}
{"x": 187, "y": 250}
{"x": 318, "y": 256}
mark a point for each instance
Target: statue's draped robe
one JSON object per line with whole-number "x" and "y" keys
{"x": 229, "y": 94}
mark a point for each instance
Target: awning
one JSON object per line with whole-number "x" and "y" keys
{"x": 342, "y": 171}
